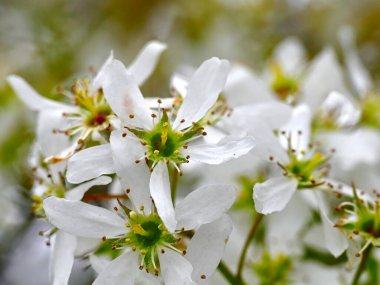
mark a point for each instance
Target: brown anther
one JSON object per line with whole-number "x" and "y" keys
{"x": 141, "y": 267}
{"x": 356, "y": 232}
{"x": 159, "y": 101}
{"x": 271, "y": 158}
{"x": 182, "y": 121}
{"x": 204, "y": 134}
{"x": 115, "y": 208}
{"x": 184, "y": 252}
{"x": 203, "y": 276}
{"x": 104, "y": 238}
{"x": 357, "y": 254}
{"x": 162, "y": 251}
{"x": 137, "y": 161}
{"x": 124, "y": 135}
{"x": 131, "y": 116}
{"x": 128, "y": 191}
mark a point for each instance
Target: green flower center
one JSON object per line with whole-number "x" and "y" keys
{"x": 284, "y": 86}
{"x": 273, "y": 270}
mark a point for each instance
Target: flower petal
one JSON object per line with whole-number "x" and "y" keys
{"x": 122, "y": 270}
{"x": 133, "y": 176}
{"x": 204, "y": 205}
{"x": 326, "y": 69}
{"x": 62, "y": 259}
{"x": 290, "y": 55}
{"x": 124, "y": 96}
{"x": 145, "y": 62}
{"x": 245, "y": 87}
{"x": 175, "y": 269}
{"x": 82, "y": 219}
{"x": 97, "y": 82}
{"x": 99, "y": 262}
{"x": 160, "y": 191}
{"x": 298, "y": 129}
{"x": 359, "y": 75}
{"x": 90, "y": 163}
{"x": 31, "y": 98}
{"x": 204, "y": 88}
{"x": 76, "y": 194}
{"x": 228, "y": 148}
{"x": 50, "y": 142}
{"x": 274, "y": 194}
{"x": 206, "y": 248}
{"x": 335, "y": 240}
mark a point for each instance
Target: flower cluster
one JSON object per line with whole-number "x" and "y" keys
{"x": 112, "y": 170}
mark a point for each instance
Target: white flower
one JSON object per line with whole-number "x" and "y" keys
{"x": 153, "y": 137}
{"x": 147, "y": 242}
{"x": 89, "y": 114}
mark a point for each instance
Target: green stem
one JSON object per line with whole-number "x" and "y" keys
{"x": 362, "y": 265}
{"x": 174, "y": 182}
{"x": 251, "y": 234}
{"x": 228, "y": 275}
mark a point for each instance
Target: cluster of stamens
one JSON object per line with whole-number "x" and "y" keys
{"x": 284, "y": 86}
{"x": 308, "y": 166}
{"x": 147, "y": 235}
{"x": 360, "y": 219}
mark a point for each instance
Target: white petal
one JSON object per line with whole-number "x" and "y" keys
{"x": 52, "y": 143}
{"x": 175, "y": 268}
{"x": 335, "y": 240}
{"x": 323, "y": 76}
{"x": 78, "y": 192}
{"x": 161, "y": 194}
{"x": 82, "y": 219}
{"x": 274, "y": 194}
{"x": 86, "y": 246}
{"x": 245, "y": 87}
{"x": 204, "y": 88}
{"x": 62, "y": 259}
{"x": 206, "y": 248}
{"x": 290, "y": 55}
{"x": 359, "y": 75}
{"x": 300, "y": 121}
{"x": 90, "y": 163}
{"x": 225, "y": 150}
{"x": 142, "y": 67}
{"x": 97, "y": 82}
{"x": 204, "y": 205}
{"x": 122, "y": 270}
{"x": 273, "y": 114}
{"x": 133, "y": 176}
{"x": 99, "y": 263}
{"x": 179, "y": 84}
{"x": 124, "y": 96}
{"x": 341, "y": 109}
{"x": 31, "y": 98}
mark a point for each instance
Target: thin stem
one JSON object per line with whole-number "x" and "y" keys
{"x": 362, "y": 265}
{"x": 228, "y": 275}
{"x": 174, "y": 182}
{"x": 97, "y": 197}
{"x": 251, "y": 234}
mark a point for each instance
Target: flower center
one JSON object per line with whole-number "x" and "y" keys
{"x": 285, "y": 86}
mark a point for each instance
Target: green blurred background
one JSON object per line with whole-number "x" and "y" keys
{"x": 51, "y": 42}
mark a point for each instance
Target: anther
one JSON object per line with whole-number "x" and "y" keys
{"x": 203, "y": 276}
{"x": 131, "y": 116}
{"x": 104, "y": 238}
{"x": 124, "y": 135}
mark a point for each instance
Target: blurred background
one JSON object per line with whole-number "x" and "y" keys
{"x": 51, "y": 42}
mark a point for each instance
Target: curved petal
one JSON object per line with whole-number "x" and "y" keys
{"x": 50, "y": 142}
{"x": 227, "y": 149}
{"x": 298, "y": 129}
{"x": 76, "y": 194}
{"x": 323, "y": 76}
{"x": 122, "y": 270}
{"x": 145, "y": 62}
{"x": 175, "y": 268}
{"x": 97, "y": 82}
{"x": 273, "y": 114}
{"x": 82, "y": 219}
{"x": 206, "y": 248}
{"x": 31, "y": 98}
{"x": 203, "y": 91}
{"x": 160, "y": 191}
{"x": 204, "y": 205}
{"x": 99, "y": 263}
{"x": 133, "y": 176}
{"x": 124, "y": 96}
{"x": 90, "y": 163}
{"x": 335, "y": 240}
{"x": 359, "y": 75}
{"x": 341, "y": 109}
{"x": 62, "y": 259}
{"x": 243, "y": 87}
{"x": 290, "y": 55}
{"x": 274, "y": 194}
